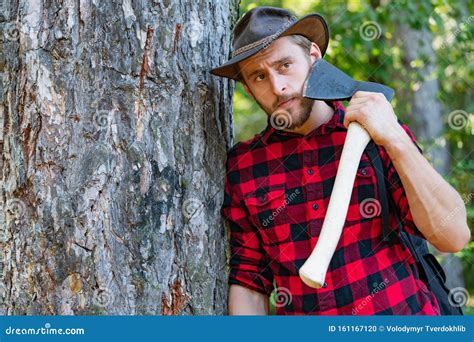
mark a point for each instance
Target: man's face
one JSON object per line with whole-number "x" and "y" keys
{"x": 274, "y": 77}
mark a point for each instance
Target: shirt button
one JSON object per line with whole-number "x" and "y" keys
{"x": 310, "y": 171}
{"x": 364, "y": 172}
{"x": 315, "y": 206}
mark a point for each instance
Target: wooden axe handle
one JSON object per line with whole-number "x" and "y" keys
{"x": 313, "y": 271}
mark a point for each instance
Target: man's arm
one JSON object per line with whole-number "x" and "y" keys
{"x": 250, "y": 278}
{"x": 243, "y": 301}
{"x": 437, "y": 209}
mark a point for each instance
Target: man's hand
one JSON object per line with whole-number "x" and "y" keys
{"x": 243, "y": 301}
{"x": 376, "y": 115}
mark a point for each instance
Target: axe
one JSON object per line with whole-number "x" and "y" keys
{"x": 326, "y": 82}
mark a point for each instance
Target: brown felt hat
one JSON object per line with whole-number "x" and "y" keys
{"x": 260, "y": 26}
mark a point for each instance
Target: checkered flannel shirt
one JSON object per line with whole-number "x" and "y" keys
{"x": 277, "y": 191}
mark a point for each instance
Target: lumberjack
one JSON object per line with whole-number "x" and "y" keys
{"x": 280, "y": 187}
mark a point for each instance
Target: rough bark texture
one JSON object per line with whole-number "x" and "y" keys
{"x": 113, "y": 144}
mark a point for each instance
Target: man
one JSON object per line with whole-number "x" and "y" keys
{"x": 278, "y": 186}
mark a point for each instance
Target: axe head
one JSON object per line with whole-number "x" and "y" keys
{"x": 326, "y": 82}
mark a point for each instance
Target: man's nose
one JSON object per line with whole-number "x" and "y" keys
{"x": 279, "y": 86}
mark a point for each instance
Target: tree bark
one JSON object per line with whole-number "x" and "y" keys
{"x": 113, "y": 149}
{"x": 426, "y": 109}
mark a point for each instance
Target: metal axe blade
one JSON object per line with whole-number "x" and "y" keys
{"x": 327, "y": 82}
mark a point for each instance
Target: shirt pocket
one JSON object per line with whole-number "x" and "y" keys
{"x": 364, "y": 202}
{"x": 268, "y": 211}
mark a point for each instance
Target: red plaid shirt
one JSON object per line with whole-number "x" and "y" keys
{"x": 277, "y": 191}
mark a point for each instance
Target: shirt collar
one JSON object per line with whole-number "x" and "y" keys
{"x": 337, "y": 120}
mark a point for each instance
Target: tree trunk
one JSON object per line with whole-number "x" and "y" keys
{"x": 426, "y": 109}
{"x": 113, "y": 155}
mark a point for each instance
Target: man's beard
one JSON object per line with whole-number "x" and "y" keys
{"x": 298, "y": 115}
{"x": 301, "y": 114}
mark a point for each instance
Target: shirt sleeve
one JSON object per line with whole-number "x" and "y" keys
{"x": 248, "y": 262}
{"x": 398, "y": 192}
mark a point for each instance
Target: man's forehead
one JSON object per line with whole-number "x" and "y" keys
{"x": 274, "y": 52}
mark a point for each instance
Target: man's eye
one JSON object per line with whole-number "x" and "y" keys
{"x": 259, "y": 77}
{"x": 285, "y": 65}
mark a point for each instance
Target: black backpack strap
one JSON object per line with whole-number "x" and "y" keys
{"x": 429, "y": 270}
{"x": 373, "y": 153}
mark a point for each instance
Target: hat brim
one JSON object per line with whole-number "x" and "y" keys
{"x": 312, "y": 26}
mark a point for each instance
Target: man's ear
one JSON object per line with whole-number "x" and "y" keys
{"x": 315, "y": 52}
